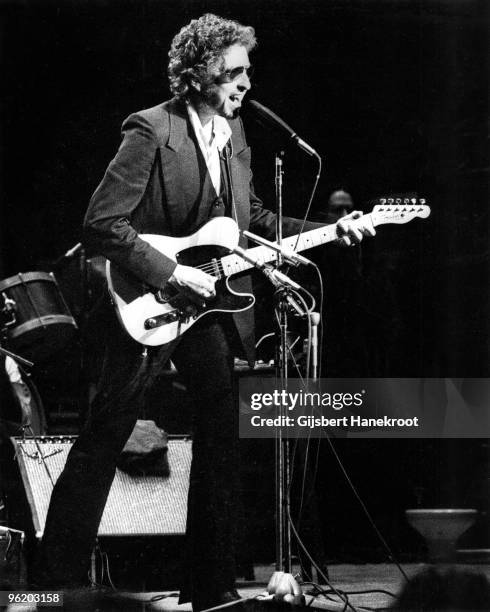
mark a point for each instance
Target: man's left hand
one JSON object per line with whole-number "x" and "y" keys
{"x": 350, "y": 231}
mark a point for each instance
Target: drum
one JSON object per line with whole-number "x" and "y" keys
{"x": 34, "y": 317}
{"x": 22, "y": 406}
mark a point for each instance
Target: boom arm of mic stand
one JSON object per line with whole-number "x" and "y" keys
{"x": 22, "y": 360}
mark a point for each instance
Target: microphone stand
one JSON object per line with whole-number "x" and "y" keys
{"x": 283, "y": 532}
{"x": 282, "y": 585}
{"x": 78, "y": 251}
{"x": 282, "y": 582}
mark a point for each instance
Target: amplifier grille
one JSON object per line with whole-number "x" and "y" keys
{"x": 137, "y": 505}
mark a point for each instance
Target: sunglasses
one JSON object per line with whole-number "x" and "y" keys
{"x": 235, "y": 73}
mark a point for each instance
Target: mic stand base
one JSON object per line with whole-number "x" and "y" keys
{"x": 284, "y": 588}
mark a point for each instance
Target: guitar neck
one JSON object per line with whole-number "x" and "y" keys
{"x": 234, "y": 264}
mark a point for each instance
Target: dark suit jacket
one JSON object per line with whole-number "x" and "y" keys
{"x": 152, "y": 186}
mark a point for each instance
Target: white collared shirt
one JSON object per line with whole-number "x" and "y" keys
{"x": 211, "y": 138}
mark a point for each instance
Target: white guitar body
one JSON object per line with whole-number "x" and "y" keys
{"x": 135, "y": 308}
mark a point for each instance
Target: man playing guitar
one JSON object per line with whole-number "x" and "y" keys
{"x": 179, "y": 164}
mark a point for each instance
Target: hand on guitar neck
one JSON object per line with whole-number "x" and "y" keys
{"x": 351, "y": 231}
{"x": 194, "y": 283}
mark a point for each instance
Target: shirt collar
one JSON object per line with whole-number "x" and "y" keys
{"x": 218, "y": 132}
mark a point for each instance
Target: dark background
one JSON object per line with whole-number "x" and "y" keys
{"x": 393, "y": 94}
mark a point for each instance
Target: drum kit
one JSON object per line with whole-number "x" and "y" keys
{"x": 35, "y": 325}
{"x": 35, "y": 319}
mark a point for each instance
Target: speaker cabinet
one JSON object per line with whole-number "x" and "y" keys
{"x": 137, "y": 505}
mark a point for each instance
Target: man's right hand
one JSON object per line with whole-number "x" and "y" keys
{"x": 193, "y": 282}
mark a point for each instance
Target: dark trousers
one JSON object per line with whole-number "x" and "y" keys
{"x": 204, "y": 357}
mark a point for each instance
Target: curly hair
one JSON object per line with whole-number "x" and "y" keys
{"x": 197, "y": 50}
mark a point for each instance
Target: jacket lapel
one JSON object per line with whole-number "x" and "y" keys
{"x": 180, "y": 168}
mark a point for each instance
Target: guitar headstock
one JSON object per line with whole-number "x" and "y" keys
{"x": 399, "y": 210}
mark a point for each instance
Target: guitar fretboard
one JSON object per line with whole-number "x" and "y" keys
{"x": 234, "y": 264}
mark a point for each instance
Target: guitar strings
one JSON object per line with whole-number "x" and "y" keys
{"x": 214, "y": 269}
{"x": 206, "y": 267}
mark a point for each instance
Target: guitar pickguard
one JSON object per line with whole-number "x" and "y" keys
{"x": 158, "y": 317}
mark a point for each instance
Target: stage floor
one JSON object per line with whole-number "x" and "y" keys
{"x": 345, "y": 578}
{"x": 367, "y": 586}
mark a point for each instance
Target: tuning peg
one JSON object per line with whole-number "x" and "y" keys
{"x": 398, "y": 201}
{"x": 382, "y": 201}
{"x": 422, "y": 201}
{"x": 390, "y": 201}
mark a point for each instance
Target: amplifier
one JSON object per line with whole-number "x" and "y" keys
{"x": 136, "y": 506}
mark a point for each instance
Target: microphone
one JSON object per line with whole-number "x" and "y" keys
{"x": 315, "y": 321}
{"x": 277, "y": 122}
{"x": 73, "y": 251}
{"x": 290, "y": 256}
{"x": 277, "y": 278}
{"x": 68, "y": 255}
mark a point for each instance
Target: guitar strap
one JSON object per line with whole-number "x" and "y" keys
{"x": 227, "y": 156}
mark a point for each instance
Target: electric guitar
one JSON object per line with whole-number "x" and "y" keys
{"x": 156, "y": 318}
